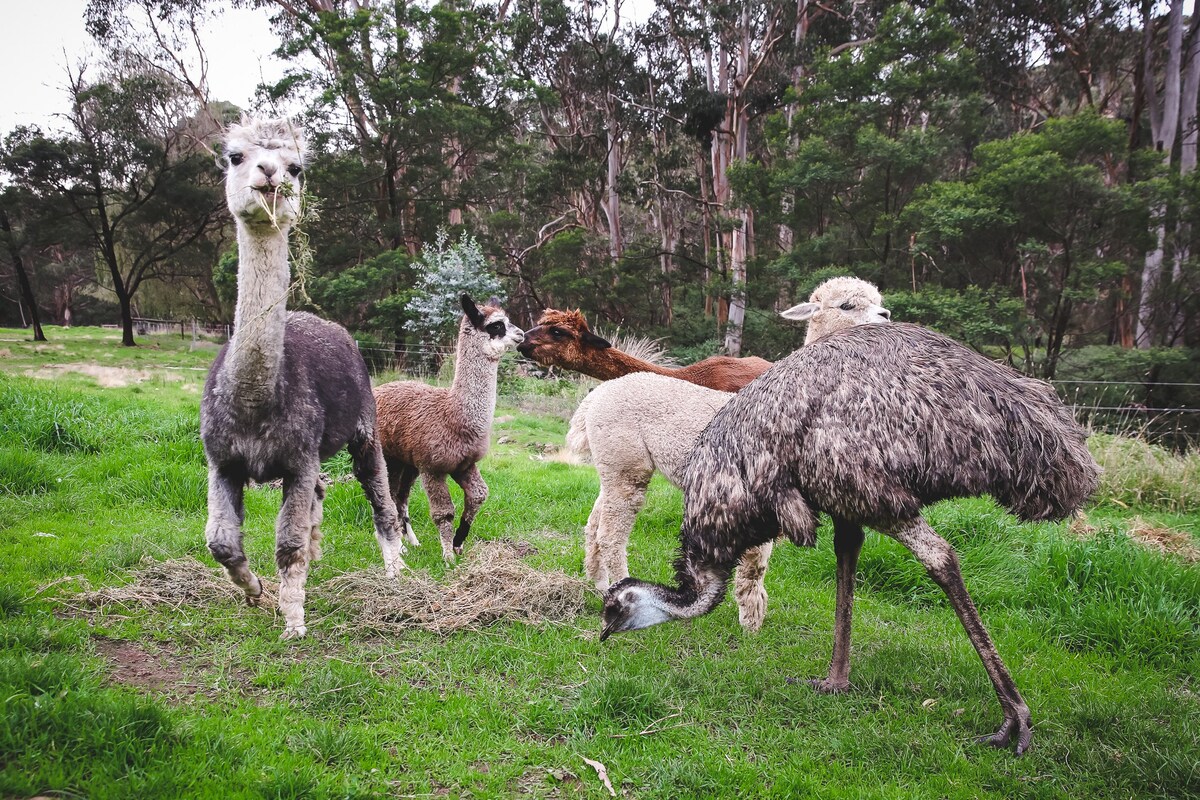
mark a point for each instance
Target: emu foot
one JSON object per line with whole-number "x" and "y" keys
{"x": 829, "y": 685}
{"x": 1018, "y": 726}
{"x": 293, "y": 632}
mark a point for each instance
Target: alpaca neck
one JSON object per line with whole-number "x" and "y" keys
{"x": 611, "y": 363}
{"x": 260, "y": 320}
{"x": 475, "y": 386}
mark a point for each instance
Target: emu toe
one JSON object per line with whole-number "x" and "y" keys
{"x": 828, "y": 686}
{"x": 1019, "y": 726}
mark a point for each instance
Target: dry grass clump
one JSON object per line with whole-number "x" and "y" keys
{"x": 1167, "y": 541}
{"x": 1137, "y": 473}
{"x": 176, "y": 582}
{"x": 492, "y": 584}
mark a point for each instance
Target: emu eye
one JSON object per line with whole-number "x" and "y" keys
{"x": 847, "y": 306}
{"x": 236, "y": 158}
{"x": 294, "y": 170}
{"x": 495, "y": 329}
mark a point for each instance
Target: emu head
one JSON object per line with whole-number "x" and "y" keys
{"x": 489, "y": 327}
{"x": 630, "y": 605}
{"x": 263, "y": 162}
{"x": 562, "y": 339}
{"x": 837, "y": 304}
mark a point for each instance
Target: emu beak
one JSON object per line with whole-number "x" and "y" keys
{"x": 609, "y": 630}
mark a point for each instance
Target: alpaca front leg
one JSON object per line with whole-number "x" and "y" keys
{"x": 749, "y": 588}
{"x": 441, "y": 509}
{"x": 317, "y": 515}
{"x": 621, "y": 506}
{"x": 223, "y": 532}
{"x": 293, "y": 530}
{"x": 475, "y": 493}
{"x": 372, "y": 474}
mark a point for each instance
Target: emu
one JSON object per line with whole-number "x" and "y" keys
{"x": 868, "y": 425}
{"x": 437, "y": 432}
{"x": 563, "y": 339}
{"x": 287, "y": 391}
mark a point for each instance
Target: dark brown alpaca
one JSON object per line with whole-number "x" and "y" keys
{"x": 562, "y": 339}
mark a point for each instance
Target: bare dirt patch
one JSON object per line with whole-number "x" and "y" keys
{"x": 132, "y": 665}
{"x": 107, "y": 377}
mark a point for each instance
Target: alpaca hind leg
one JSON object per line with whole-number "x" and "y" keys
{"x": 622, "y": 502}
{"x": 475, "y": 493}
{"x": 223, "y": 532}
{"x": 847, "y": 543}
{"x": 749, "y": 588}
{"x": 401, "y": 478}
{"x": 941, "y": 562}
{"x": 293, "y": 530}
{"x": 441, "y": 509}
{"x": 592, "y": 565}
{"x": 371, "y": 471}
{"x": 317, "y": 515}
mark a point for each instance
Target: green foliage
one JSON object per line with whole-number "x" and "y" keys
{"x": 975, "y": 316}
{"x": 446, "y": 271}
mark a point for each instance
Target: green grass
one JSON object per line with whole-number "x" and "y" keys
{"x": 1101, "y": 634}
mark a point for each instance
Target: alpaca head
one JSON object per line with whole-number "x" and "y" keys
{"x": 263, "y": 163}
{"x": 630, "y": 605}
{"x": 488, "y": 328}
{"x": 839, "y": 303}
{"x": 562, "y": 338}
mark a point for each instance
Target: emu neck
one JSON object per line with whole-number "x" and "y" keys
{"x": 700, "y": 591}
{"x": 255, "y": 356}
{"x": 475, "y": 386}
{"x": 611, "y": 363}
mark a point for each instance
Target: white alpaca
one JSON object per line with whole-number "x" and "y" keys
{"x": 289, "y": 389}
{"x": 641, "y": 422}
{"x": 438, "y": 432}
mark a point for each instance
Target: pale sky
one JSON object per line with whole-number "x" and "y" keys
{"x": 39, "y": 38}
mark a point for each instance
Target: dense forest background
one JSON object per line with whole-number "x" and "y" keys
{"x": 1020, "y": 175}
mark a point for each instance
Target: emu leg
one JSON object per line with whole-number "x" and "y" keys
{"x": 475, "y": 493}
{"x": 223, "y": 532}
{"x": 847, "y": 542}
{"x": 293, "y": 530}
{"x": 441, "y": 509}
{"x": 748, "y": 587}
{"x": 401, "y": 478}
{"x": 941, "y": 562}
{"x": 371, "y": 471}
{"x": 591, "y": 545}
{"x": 624, "y": 497}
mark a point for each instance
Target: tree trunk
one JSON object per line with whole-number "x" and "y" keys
{"x": 27, "y": 297}
{"x": 1164, "y": 128}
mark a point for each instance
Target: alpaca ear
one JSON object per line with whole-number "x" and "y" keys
{"x": 494, "y": 301}
{"x": 472, "y": 310}
{"x": 592, "y": 340}
{"x": 802, "y": 312}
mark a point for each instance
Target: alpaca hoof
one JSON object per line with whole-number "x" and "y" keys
{"x": 1004, "y": 737}
{"x": 449, "y": 557}
{"x": 253, "y": 598}
{"x": 410, "y": 537}
{"x": 293, "y": 632}
{"x": 828, "y": 686}
{"x": 458, "y": 550}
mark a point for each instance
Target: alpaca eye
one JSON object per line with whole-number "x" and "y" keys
{"x": 847, "y": 306}
{"x": 496, "y": 329}
{"x": 558, "y": 333}
{"x": 236, "y": 158}
{"x": 294, "y": 170}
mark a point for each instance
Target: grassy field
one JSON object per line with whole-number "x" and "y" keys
{"x": 101, "y": 467}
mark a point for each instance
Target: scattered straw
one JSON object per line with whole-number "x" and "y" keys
{"x": 177, "y": 582}
{"x": 490, "y": 585}
{"x": 1164, "y": 540}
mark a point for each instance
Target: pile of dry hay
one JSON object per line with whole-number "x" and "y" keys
{"x": 491, "y": 585}
{"x": 177, "y": 582}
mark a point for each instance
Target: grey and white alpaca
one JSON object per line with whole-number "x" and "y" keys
{"x": 868, "y": 425}
{"x": 437, "y": 432}
{"x": 642, "y": 422}
{"x": 287, "y": 391}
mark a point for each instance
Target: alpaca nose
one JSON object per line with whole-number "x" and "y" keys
{"x": 267, "y": 168}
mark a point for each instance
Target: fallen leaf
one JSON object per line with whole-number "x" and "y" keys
{"x": 930, "y": 703}
{"x": 602, "y": 772}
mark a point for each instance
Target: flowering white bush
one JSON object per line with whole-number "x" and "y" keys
{"x": 448, "y": 270}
